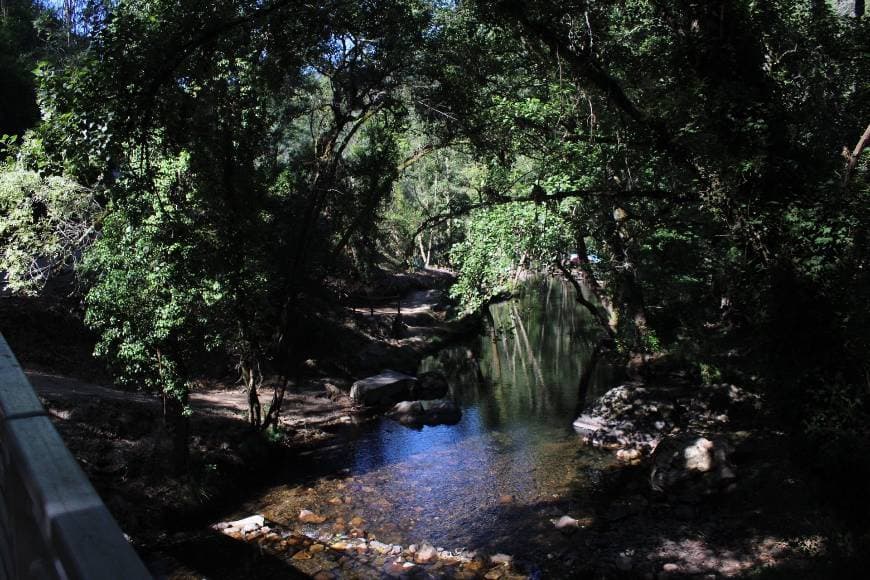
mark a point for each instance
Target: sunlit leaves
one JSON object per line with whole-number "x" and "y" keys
{"x": 45, "y": 224}
{"x": 500, "y": 242}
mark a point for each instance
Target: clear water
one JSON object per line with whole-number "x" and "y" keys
{"x": 496, "y": 479}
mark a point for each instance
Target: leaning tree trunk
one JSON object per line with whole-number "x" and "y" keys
{"x": 274, "y": 412}
{"x": 598, "y": 312}
{"x": 591, "y": 281}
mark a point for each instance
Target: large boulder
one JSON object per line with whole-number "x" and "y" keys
{"x": 689, "y": 466}
{"x": 430, "y": 385}
{"x": 385, "y": 388}
{"x": 719, "y": 404}
{"x": 419, "y": 413}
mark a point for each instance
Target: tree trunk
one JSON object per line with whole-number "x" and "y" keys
{"x": 424, "y": 256}
{"x": 252, "y": 378}
{"x": 852, "y": 158}
{"x": 634, "y": 320}
{"x": 591, "y": 281}
{"x": 178, "y": 427}
{"x": 597, "y": 312}
{"x": 274, "y": 412}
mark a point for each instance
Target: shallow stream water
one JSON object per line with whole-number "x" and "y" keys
{"x": 495, "y": 480}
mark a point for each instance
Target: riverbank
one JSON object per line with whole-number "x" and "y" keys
{"x": 512, "y": 480}
{"x": 509, "y": 492}
{"x": 709, "y": 488}
{"x": 119, "y": 437}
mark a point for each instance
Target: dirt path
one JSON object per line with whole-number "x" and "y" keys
{"x": 56, "y": 387}
{"x": 305, "y": 408}
{"x": 415, "y": 302}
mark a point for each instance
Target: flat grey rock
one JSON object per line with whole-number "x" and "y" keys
{"x": 382, "y": 389}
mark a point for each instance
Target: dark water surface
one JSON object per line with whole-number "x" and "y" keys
{"x": 496, "y": 479}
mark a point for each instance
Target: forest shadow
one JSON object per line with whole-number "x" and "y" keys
{"x": 771, "y": 526}
{"x": 215, "y": 555}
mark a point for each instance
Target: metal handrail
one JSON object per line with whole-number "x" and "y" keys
{"x": 53, "y": 525}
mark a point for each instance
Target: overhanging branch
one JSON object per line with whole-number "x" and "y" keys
{"x": 441, "y": 218}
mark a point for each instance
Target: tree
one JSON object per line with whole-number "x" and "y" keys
{"x": 241, "y": 151}
{"x": 19, "y": 46}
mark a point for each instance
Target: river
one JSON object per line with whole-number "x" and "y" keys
{"x": 493, "y": 482}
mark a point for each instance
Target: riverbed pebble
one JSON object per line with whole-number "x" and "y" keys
{"x": 309, "y": 517}
{"x": 425, "y": 554}
{"x": 498, "y": 559}
{"x": 566, "y": 524}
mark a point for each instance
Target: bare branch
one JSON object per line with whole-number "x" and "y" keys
{"x": 853, "y": 157}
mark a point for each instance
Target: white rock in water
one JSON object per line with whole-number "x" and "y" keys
{"x": 426, "y": 554}
{"x": 698, "y": 455}
{"x": 690, "y": 464}
{"x": 587, "y": 424}
{"x": 501, "y": 559}
{"x": 247, "y": 524}
{"x": 566, "y": 524}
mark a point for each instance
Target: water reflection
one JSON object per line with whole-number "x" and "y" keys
{"x": 528, "y": 366}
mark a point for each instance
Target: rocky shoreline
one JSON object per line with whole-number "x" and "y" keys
{"x": 325, "y": 555}
{"x": 683, "y": 429}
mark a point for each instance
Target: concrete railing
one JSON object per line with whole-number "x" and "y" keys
{"x": 53, "y": 524}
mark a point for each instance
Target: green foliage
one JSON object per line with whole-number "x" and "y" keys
{"x": 148, "y": 299}
{"x": 710, "y": 374}
{"x": 46, "y": 222}
{"x": 19, "y": 45}
{"x": 244, "y": 153}
{"x": 499, "y": 243}
{"x": 417, "y": 227}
